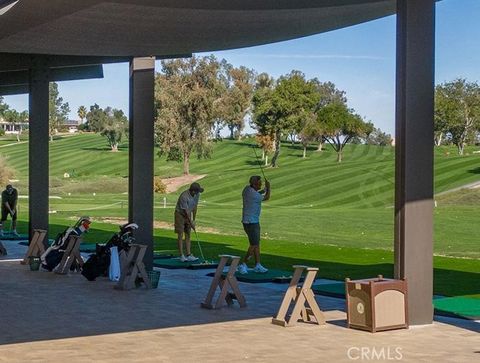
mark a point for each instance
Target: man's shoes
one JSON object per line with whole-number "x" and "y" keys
{"x": 259, "y": 269}
{"x": 15, "y": 234}
{"x": 242, "y": 269}
{"x": 191, "y": 258}
{"x": 182, "y": 258}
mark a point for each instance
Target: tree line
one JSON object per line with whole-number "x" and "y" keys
{"x": 196, "y": 98}
{"x": 109, "y": 122}
{"x": 457, "y": 114}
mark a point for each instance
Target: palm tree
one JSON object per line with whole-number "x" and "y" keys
{"x": 22, "y": 117}
{"x": 82, "y": 113}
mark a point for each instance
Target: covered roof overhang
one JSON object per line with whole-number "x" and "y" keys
{"x": 166, "y": 27}
{"x": 17, "y": 82}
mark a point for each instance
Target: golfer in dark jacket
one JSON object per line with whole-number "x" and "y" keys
{"x": 9, "y": 206}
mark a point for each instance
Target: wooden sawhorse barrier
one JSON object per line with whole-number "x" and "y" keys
{"x": 71, "y": 254}
{"x": 225, "y": 283}
{"x": 36, "y": 248}
{"x": 305, "y": 308}
{"x": 133, "y": 268}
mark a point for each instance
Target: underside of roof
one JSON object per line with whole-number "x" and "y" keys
{"x": 165, "y": 27}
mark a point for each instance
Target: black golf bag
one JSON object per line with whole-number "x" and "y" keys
{"x": 53, "y": 255}
{"x": 99, "y": 262}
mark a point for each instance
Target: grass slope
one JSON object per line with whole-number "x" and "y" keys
{"x": 315, "y": 201}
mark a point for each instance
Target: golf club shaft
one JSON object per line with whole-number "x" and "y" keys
{"x": 259, "y": 163}
{"x": 199, "y": 246}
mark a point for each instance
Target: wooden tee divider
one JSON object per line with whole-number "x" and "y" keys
{"x": 228, "y": 284}
{"x": 305, "y": 307}
{"x": 36, "y": 247}
{"x": 71, "y": 254}
{"x": 133, "y": 268}
{"x": 72, "y": 251}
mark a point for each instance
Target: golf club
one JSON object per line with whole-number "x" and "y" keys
{"x": 258, "y": 161}
{"x": 199, "y": 246}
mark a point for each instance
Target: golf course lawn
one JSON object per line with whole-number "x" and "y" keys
{"x": 338, "y": 217}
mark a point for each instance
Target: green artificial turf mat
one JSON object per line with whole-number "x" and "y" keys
{"x": 10, "y": 237}
{"x": 160, "y": 255}
{"x": 463, "y": 307}
{"x": 175, "y": 263}
{"x": 336, "y": 289}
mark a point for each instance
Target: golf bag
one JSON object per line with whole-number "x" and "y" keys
{"x": 99, "y": 262}
{"x": 53, "y": 255}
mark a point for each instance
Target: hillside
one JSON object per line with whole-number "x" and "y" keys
{"x": 314, "y": 200}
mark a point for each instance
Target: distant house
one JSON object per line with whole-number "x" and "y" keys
{"x": 72, "y": 125}
{"x": 13, "y": 128}
{"x": 16, "y": 128}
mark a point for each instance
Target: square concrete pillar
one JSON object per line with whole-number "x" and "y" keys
{"x": 141, "y": 152}
{"x": 414, "y": 154}
{"x": 38, "y": 145}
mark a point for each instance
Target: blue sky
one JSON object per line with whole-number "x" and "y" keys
{"x": 359, "y": 60}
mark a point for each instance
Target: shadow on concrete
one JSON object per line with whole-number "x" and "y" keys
{"x": 44, "y": 306}
{"x": 459, "y": 323}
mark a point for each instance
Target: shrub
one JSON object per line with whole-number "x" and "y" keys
{"x": 159, "y": 186}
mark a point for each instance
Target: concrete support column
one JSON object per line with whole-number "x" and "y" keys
{"x": 38, "y": 145}
{"x": 414, "y": 154}
{"x": 141, "y": 149}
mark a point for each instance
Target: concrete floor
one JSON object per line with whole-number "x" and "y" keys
{"x": 54, "y": 318}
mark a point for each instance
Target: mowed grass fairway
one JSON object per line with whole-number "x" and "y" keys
{"x": 339, "y": 216}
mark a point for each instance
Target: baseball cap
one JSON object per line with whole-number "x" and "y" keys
{"x": 196, "y": 188}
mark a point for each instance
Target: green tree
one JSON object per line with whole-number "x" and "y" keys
{"x": 115, "y": 126}
{"x": 16, "y": 118}
{"x": 58, "y": 110}
{"x": 457, "y": 111}
{"x": 285, "y": 107}
{"x": 186, "y": 92}
{"x": 311, "y": 131}
{"x": 266, "y": 144}
{"x": 340, "y": 125}
{"x": 328, "y": 93}
{"x": 3, "y": 106}
{"x": 82, "y": 113}
{"x": 96, "y": 118}
{"x": 236, "y": 97}
{"x": 375, "y": 136}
